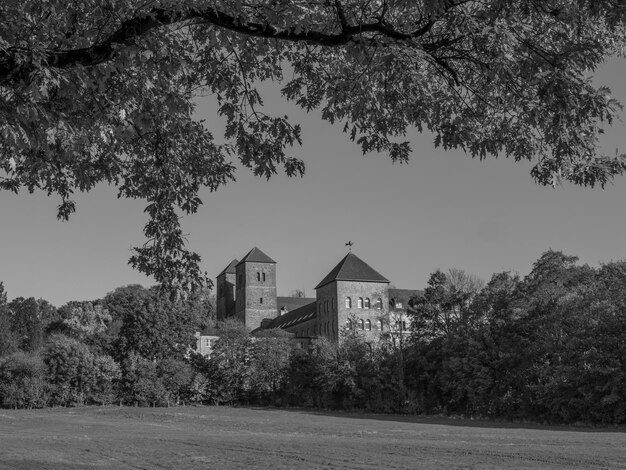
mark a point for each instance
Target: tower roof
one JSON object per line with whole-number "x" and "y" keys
{"x": 256, "y": 256}
{"x": 230, "y": 269}
{"x": 352, "y": 268}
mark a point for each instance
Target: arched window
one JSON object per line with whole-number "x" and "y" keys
{"x": 348, "y": 324}
{"x": 380, "y": 325}
{"x": 263, "y": 277}
{"x": 319, "y": 308}
{"x": 367, "y": 303}
{"x": 326, "y": 306}
{"x": 359, "y": 302}
{"x": 258, "y": 276}
{"x": 368, "y": 325}
{"x": 348, "y": 302}
{"x": 379, "y": 303}
{"x": 361, "y": 324}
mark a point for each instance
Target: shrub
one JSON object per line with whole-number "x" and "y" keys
{"x": 23, "y": 381}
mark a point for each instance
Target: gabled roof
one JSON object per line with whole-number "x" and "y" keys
{"x": 292, "y": 303}
{"x": 230, "y": 269}
{"x": 304, "y": 313}
{"x": 352, "y": 268}
{"x": 256, "y": 256}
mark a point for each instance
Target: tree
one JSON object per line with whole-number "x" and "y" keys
{"x": 23, "y": 381}
{"x": 8, "y": 338}
{"x": 151, "y": 324}
{"x": 270, "y": 354}
{"x": 445, "y": 304}
{"x": 103, "y": 91}
{"x": 86, "y": 321}
{"x": 29, "y": 320}
{"x": 72, "y": 374}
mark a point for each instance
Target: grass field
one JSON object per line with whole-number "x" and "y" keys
{"x": 224, "y": 438}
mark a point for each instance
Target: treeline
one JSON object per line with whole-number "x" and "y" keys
{"x": 549, "y": 347}
{"x": 131, "y": 347}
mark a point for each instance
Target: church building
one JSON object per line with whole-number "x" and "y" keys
{"x": 353, "y": 295}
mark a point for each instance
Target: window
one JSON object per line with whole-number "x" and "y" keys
{"x": 348, "y": 324}
{"x": 307, "y": 332}
{"x": 380, "y": 325}
{"x": 221, "y": 290}
{"x": 319, "y": 308}
{"x": 361, "y": 324}
{"x": 398, "y": 304}
{"x": 368, "y": 325}
{"x": 261, "y": 300}
{"x": 263, "y": 277}
{"x": 258, "y": 276}
{"x": 379, "y": 303}
{"x": 359, "y": 303}
{"x": 240, "y": 279}
{"x": 367, "y": 303}
{"x": 348, "y": 302}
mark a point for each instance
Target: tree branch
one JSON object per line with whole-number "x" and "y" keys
{"x": 12, "y": 70}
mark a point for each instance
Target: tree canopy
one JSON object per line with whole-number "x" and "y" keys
{"x": 96, "y": 91}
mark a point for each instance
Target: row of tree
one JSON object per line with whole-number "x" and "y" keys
{"x": 548, "y": 347}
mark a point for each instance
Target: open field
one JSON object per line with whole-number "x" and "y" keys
{"x": 223, "y": 438}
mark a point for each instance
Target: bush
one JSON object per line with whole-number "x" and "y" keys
{"x": 106, "y": 386}
{"x": 23, "y": 381}
{"x": 141, "y": 384}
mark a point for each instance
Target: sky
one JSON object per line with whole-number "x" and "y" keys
{"x": 442, "y": 210}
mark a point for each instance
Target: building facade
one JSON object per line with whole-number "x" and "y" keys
{"x": 352, "y": 296}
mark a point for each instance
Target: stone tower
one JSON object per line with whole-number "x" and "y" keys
{"x": 255, "y": 290}
{"x": 226, "y": 285}
{"x": 353, "y": 295}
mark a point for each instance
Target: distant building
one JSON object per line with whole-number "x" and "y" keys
{"x": 353, "y": 295}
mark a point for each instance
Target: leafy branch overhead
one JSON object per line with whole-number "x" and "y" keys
{"x": 103, "y": 91}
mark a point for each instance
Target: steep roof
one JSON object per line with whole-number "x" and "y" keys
{"x": 292, "y": 303}
{"x": 304, "y": 313}
{"x": 256, "y": 256}
{"x": 230, "y": 269}
{"x": 352, "y": 268}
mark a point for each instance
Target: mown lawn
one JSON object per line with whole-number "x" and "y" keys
{"x": 224, "y": 438}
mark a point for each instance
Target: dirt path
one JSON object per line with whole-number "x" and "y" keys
{"x": 225, "y": 438}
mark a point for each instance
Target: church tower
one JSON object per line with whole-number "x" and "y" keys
{"x": 226, "y": 281}
{"x": 255, "y": 289}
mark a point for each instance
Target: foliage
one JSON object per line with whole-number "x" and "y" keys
{"x": 72, "y": 374}
{"x": 84, "y": 319}
{"x": 177, "y": 379}
{"x": 103, "y": 91}
{"x": 444, "y": 305}
{"x": 141, "y": 384}
{"x": 23, "y": 381}
{"x": 8, "y": 338}
{"x": 152, "y": 325}
{"x": 29, "y": 320}
{"x": 270, "y": 354}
